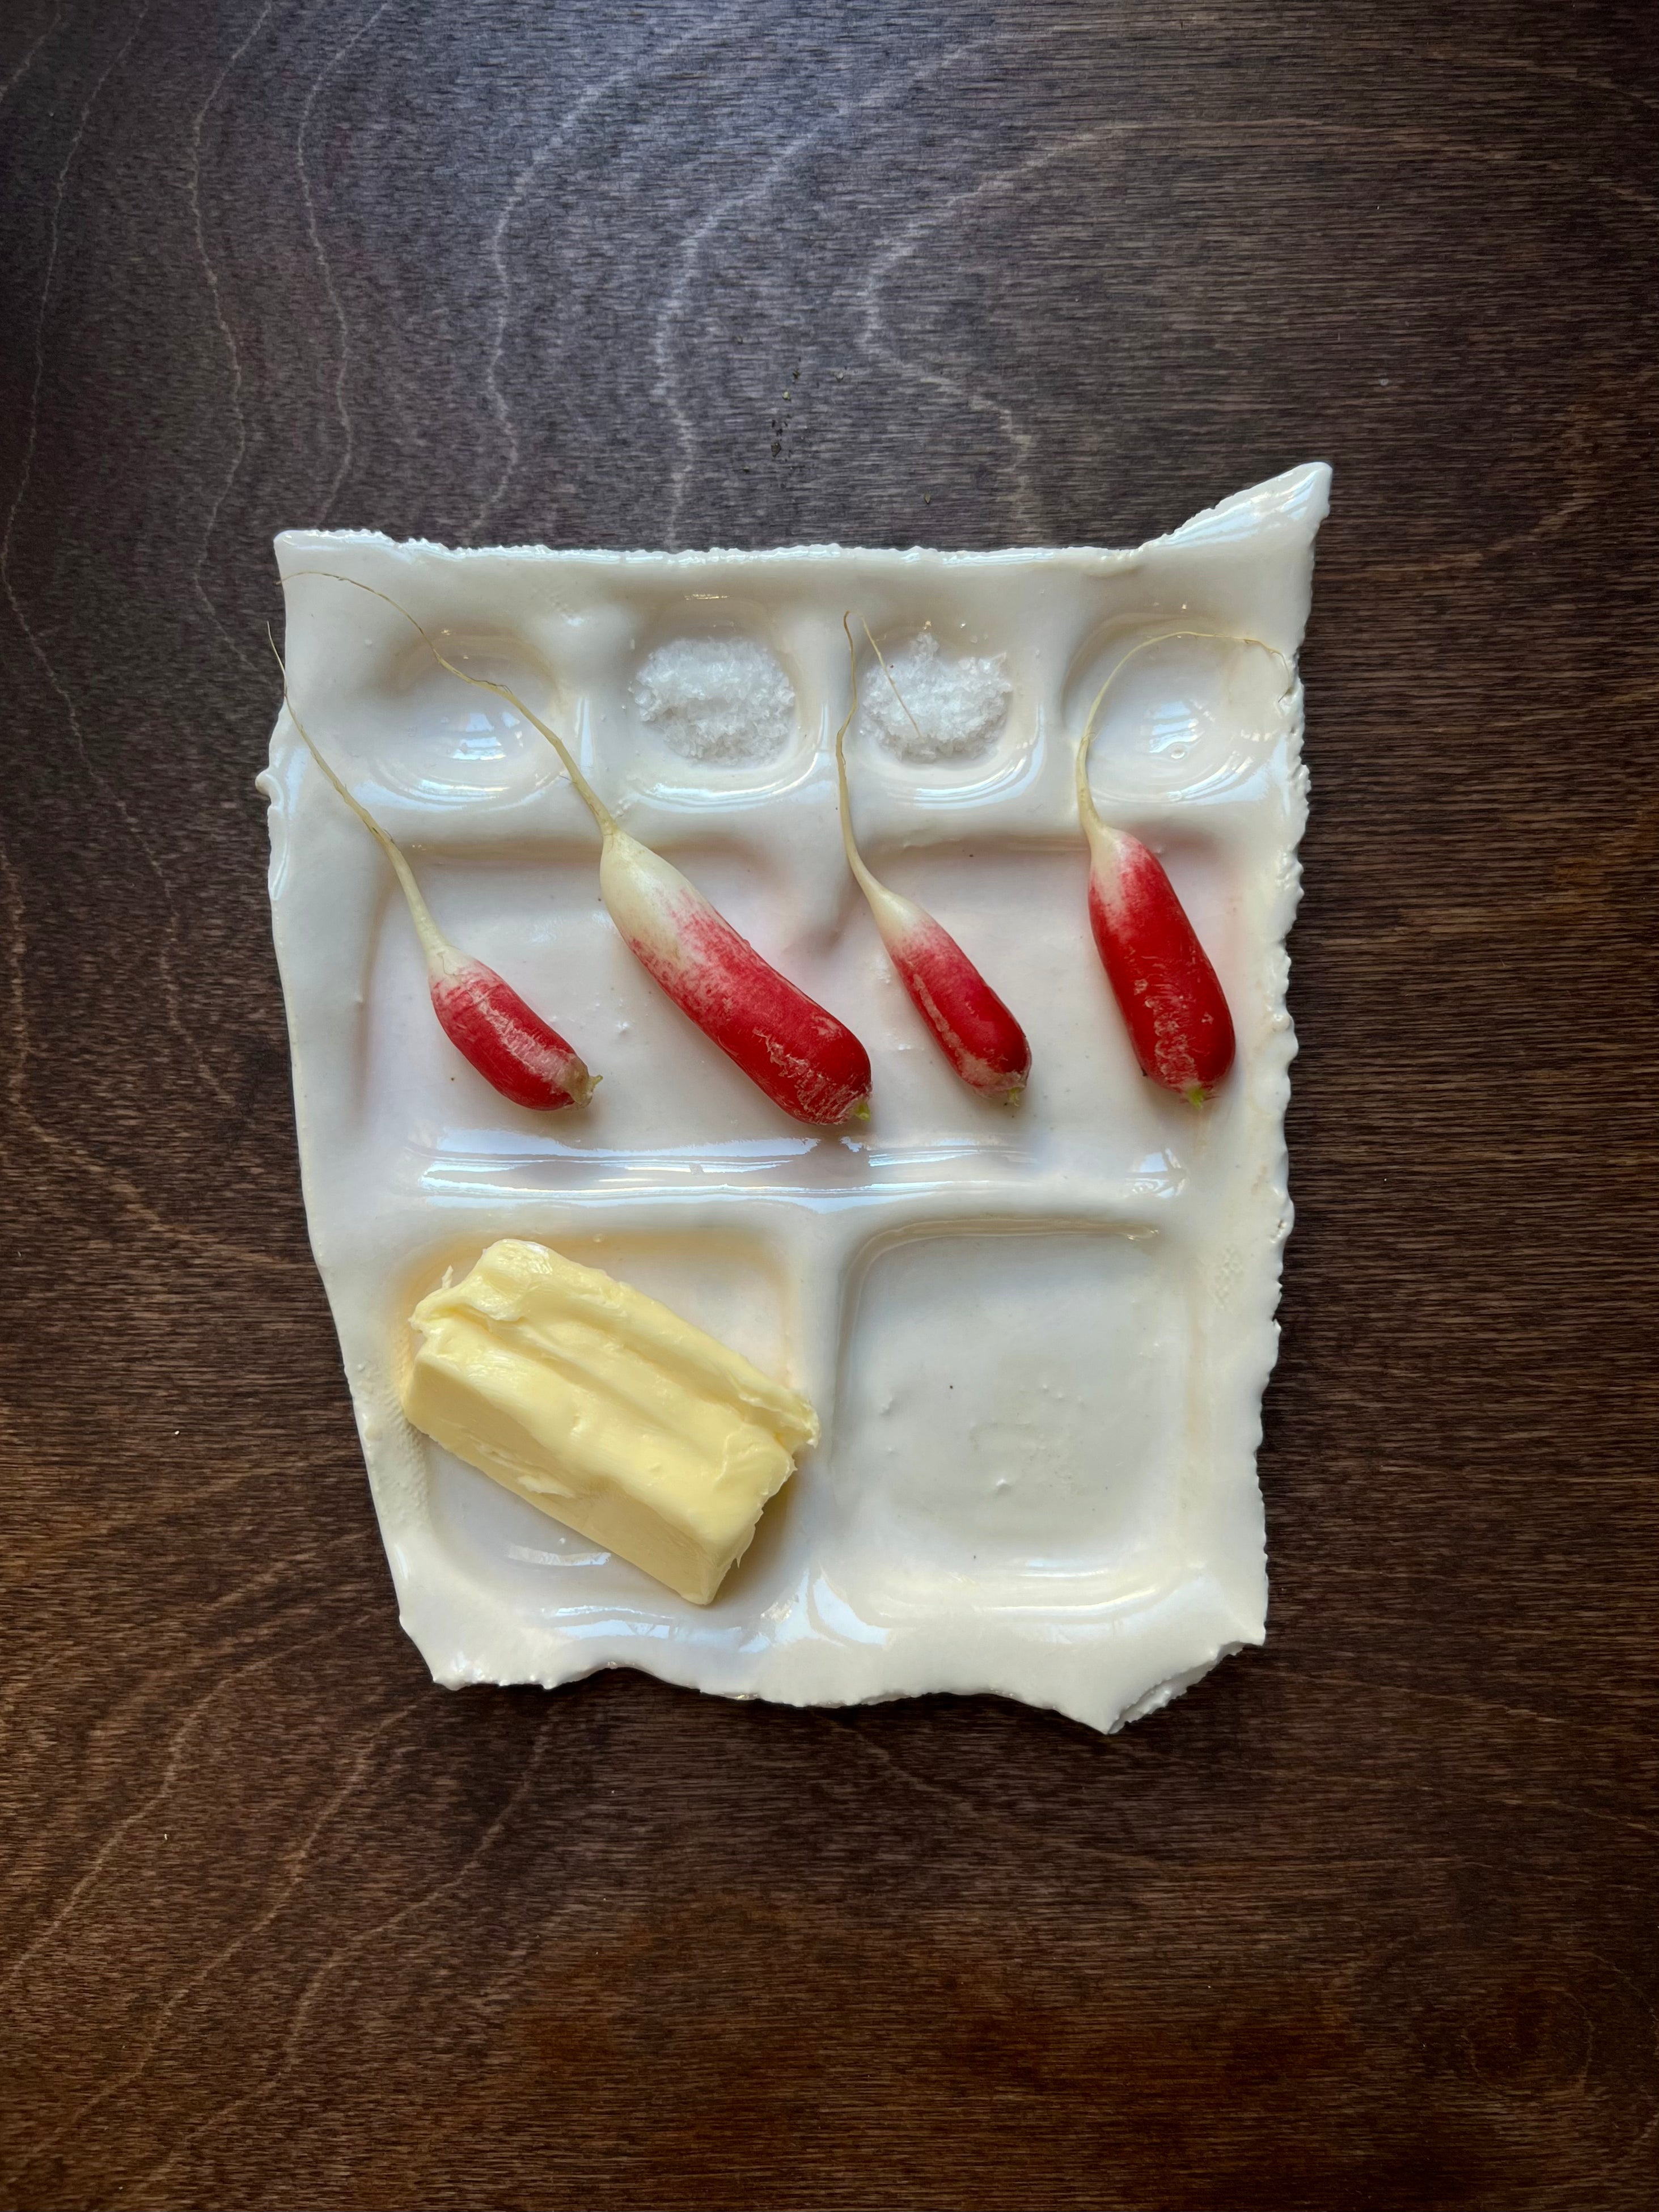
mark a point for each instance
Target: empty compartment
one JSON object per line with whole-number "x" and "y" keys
{"x": 1011, "y": 1411}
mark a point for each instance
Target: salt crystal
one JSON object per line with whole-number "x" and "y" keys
{"x": 725, "y": 701}
{"x": 958, "y": 705}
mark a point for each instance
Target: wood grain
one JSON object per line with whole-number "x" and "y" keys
{"x": 1366, "y": 1920}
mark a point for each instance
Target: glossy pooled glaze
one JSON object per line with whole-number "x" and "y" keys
{"x": 1038, "y": 1339}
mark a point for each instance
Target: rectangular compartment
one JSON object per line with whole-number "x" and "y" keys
{"x": 1036, "y": 1456}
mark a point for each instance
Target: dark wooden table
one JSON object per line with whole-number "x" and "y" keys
{"x": 1365, "y": 1921}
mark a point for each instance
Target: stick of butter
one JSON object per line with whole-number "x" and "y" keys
{"x": 606, "y": 1410}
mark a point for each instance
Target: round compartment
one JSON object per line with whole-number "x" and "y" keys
{"x": 712, "y": 701}
{"x": 943, "y": 718}
{"x": 441, "y": 739}
{"x": 1184, "y": 717}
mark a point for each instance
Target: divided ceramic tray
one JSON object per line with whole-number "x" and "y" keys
{"x": 1037, "y": 1340}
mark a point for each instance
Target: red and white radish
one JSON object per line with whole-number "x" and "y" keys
{"x": 976, "y": 1031}
{"x": 479, "y": 1011}
{"x": 1169, "y": 994}
{"x": 788, "y": 1046}
{"x": 803, "y": 1058}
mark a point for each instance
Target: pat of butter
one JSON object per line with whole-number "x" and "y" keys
{"x": 606, "y": 1410}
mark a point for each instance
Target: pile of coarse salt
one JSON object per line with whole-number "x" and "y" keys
{"x": 956, "y": 706}
{"x": 723, "y": 701}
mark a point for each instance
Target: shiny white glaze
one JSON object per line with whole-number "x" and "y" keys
{"x": 1037, "y": 1340}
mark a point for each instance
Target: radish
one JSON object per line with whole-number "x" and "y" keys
{"x": 1169, "y": 994}
{"x": 481, "y": 1014}
{"x": 976, "y": 1031}
{"x": 805, "y": 1061}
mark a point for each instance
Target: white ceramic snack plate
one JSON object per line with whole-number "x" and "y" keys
{"x": 1039, "y": 1341}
